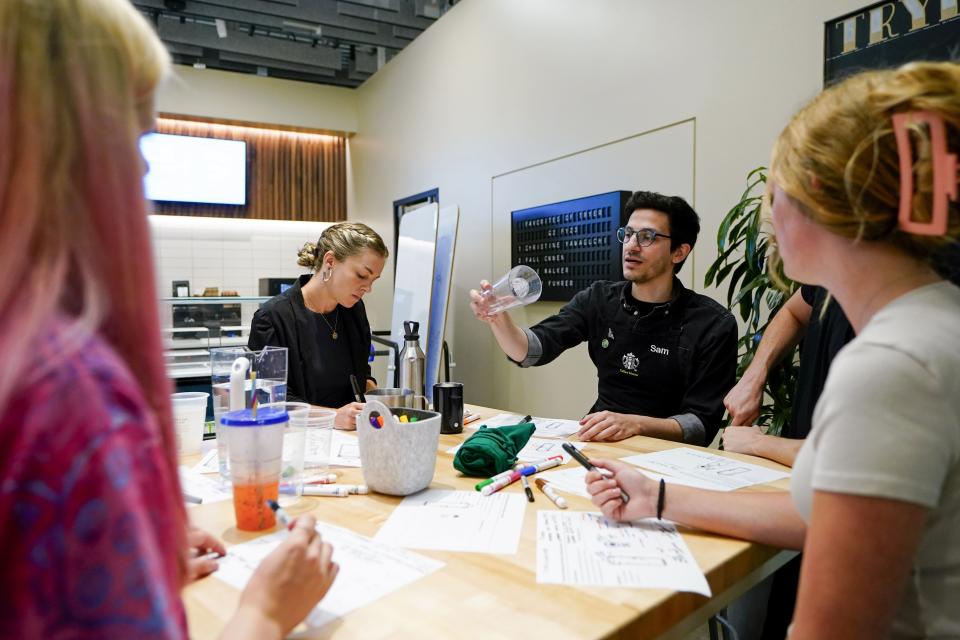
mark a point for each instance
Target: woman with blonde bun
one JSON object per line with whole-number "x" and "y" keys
{"x": 322, "y": 322}
{"x": 94, "y": 537}
{"x": 863, "y": 194}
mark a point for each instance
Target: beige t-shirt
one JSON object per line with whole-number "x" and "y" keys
{"x": 888, "y": 425}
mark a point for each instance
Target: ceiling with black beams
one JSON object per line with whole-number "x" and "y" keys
{"x": 337, "y": 42}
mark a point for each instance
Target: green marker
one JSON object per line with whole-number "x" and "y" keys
{"x": 481, "y": 485}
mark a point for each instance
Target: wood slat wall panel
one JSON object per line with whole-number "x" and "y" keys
{"x": 290, "y": 175}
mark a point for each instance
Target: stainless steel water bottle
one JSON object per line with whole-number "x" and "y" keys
{"x": 412, "y": 360}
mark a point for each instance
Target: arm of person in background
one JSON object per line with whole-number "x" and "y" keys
{"x": 753, "y": 441}
{"x": 286, "y": 586}
{"x": 768, "y": 517}
{"x": 781, "y": 335}
{"x": 875, "y": 541}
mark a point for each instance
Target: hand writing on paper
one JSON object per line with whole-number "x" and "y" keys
{"x": 605, "y": 491}
{"x": 346, "y": 419}
{"x": 288, "y": 583}
{"x": 480, "y": 304}
{"x": 200, "y": 544}
{"x": 742, "y": 439}
{"x": 607, "y": 426}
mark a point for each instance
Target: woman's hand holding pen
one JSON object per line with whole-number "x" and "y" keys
{"x": 605, "y": 490}
{"x": 287, "y": 584}
{"x": 346, "y": 419}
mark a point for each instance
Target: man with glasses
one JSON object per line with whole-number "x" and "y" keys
{"x": 665, "y": 356}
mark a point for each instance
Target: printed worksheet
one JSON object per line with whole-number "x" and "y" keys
{"x": 545, "y": 427}
{"x": 344, "y": 451}
{"x": 204, "y": 487}
{"x": 456, "y": 521}
{"x": 368, "y": 570}
{"x": 538, "y": 449}
{"x": 586, "y": 549}
{"x": 683, "y": 463}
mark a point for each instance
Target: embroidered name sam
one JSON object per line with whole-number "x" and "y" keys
{"x": 661, "y": 350}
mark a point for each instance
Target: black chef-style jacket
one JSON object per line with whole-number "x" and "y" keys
{"x": 285, "y": 321}
{"x": 674, "y": 360}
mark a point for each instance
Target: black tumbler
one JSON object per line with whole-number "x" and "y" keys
{"x": 448, "y": 400}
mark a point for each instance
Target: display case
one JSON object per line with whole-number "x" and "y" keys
{"x": 192, "y": 326}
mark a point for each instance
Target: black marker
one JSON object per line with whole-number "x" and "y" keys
{"x": 357, "y": 393}
{"x": 526, "y": 418}
{"x": 579, "y": 457}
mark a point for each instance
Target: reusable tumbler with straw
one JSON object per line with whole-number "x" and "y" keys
{"x": 255, "y": 445}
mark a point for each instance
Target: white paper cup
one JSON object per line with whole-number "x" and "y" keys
{"x": 189, "y": 414}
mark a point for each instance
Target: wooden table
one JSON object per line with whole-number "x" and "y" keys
{"x": 497, "y": 596}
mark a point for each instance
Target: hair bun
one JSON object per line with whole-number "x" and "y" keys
{"x": 307, "y": 256}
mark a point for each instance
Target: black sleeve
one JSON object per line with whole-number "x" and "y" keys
{"x": 263, "y": 333}
{"x": 712, "y": 376}
{"x": 809, "y": 293}
{"x": 568, "y": 328}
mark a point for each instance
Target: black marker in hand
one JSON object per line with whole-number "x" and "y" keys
{"x": 579, "y": 457}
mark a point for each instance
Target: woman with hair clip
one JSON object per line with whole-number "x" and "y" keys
{"x": 863, "y": 193}
{"x": 322, "y": 322}
{"x": 93, "y": 530}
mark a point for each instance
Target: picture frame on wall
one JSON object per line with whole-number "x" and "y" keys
{"x": 181, "y": 288}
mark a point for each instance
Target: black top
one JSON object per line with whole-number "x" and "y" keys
{"x": 824, "y": 338}
{"x": 671, "y": 360}
{"x": 318, "y": 367}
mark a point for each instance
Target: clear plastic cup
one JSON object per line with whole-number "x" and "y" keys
{"x": 270, "y": 368}
{"x": 318, "y": 426}
{"x": 255, "y": 445}
{"x": 189, "y": 416}
{"x": 520, "y": 286}
{"x": 294, "y": 447}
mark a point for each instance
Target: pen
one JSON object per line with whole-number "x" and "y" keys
{"x": 579, "y": 457}
{"x": 505, "y": 474}
{"x": 324, "y": 478}
{"x": 282, "y": 516}
{"x": 334, "y": 490}
{"x": 550, "y": 493}
{"x": 357, "y": 392}
{"x": 527, "y": 418}
{"x": 542, "y": 465}
{"x": 473, "y": 418}
{"x": 526, "y": 488}
{"x": 500, "y": 484}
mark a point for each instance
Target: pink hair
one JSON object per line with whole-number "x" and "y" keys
{"x": 76, "y": 79}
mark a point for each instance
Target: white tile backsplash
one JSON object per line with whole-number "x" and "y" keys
{"x": 227, "y": 253}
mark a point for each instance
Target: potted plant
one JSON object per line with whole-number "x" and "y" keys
{"x": 743, "y": 247}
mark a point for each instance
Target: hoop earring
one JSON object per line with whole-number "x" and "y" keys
{"x": 326, "y": 275}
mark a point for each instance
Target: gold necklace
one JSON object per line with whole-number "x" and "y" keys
{"x": 333, "y": 328}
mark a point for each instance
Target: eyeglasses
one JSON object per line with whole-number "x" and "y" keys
{"x": 645, "y": 237}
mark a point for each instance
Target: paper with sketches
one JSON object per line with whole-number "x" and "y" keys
{"x": 368, "y": 570}
{"x": 538, "y": 449}
{"x": 694, "y": 465}
{"x": 546, "y": 427}
{"x": 586, "y": 549}
{"x": 344, "y": 450}
{"x": 207, "y": 488}
{"x": 456, "y": 521}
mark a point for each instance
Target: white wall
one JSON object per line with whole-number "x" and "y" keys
{"x": 498, "y": 85}
{"x": 210, "y": 93}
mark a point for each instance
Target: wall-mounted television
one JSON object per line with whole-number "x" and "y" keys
{"x": 191, "y": 169}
